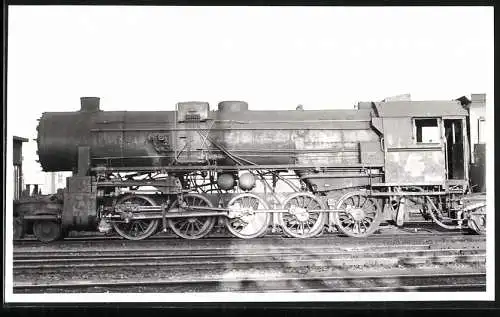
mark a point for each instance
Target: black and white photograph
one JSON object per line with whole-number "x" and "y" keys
{"x": 249, "y": 154}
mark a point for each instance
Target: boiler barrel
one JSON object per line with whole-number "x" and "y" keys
{"x": 59, "y": 134}
{"x": 116, "y": 139}
{"x": 138, "y": 139}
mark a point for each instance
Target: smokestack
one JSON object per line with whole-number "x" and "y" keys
{"x": 89, "y": 104}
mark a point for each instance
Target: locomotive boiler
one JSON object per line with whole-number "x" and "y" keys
{"x": 297, "y": 171}
{"x": 132, "y": 140}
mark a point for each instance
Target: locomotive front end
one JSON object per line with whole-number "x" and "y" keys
{"x": 60, "y": 134}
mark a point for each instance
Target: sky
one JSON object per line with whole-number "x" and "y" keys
{"x": 149, "y": 58}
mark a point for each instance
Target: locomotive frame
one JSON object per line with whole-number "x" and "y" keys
{"x": 383, "y": 169}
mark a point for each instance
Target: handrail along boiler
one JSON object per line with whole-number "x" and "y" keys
{"x": 298, "y": 171}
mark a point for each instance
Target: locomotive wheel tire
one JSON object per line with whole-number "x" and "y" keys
{"x": 318, "y": 225}
{"x": 152, "y": 227}
{"x": 473, "y": 224}
{"x": 374, "y": 224}
{"x": 474, "y": 229}
{"x": 46, "y": 230}
{"x": 208, "y": 224}
{"x": 266, "y": 222}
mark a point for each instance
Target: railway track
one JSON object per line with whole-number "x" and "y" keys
{"x": 361, "y": 283}
{"x": 417, "y": 228}
{"x": 214, "y": 259}
{"x": 269, "y": 263}
{"x": 330, "y": 238}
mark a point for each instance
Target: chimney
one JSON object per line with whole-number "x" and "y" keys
{"x": 89, "y": 104}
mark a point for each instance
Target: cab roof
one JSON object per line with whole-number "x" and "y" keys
{"x": 435, "y": 108}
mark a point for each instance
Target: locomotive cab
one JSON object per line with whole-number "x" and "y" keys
{"x": 425, "y": 143}
{"x": 428, "y": 149}
{"x": 452, "y": 131}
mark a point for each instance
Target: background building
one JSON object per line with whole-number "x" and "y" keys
{"x": 477, "y": 110}
{"x": 53, "y": 181}
{"x": 18, "y": 163}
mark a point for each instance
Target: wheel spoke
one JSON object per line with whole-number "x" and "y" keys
{"x": 348, "y": 222}
{"x": 196, "y": 225}
{"x": 133, "y": 229}
{"x": 302, "y": 228}
{"x": 309, "y": 203}
{"x": 255, "y": 204}
{"x": 141, "y": 225}
{"x": 185, "y": 224}
{"x": 364, "y": 203}
{"x": 356, "y": 227}
{"x": 363, "y": 223}
{"x": 350, "y": 199}
{"x": 188, "y": 226}
{"x": 370, "y": 217}
{"x": 372, "y": 205}
{"x": 308, "y": 225}
{"x": 199, "y": 222}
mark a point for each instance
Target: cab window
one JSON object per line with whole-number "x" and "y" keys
{"x": 427, "y": 130}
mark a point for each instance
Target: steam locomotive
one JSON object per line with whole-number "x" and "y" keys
{"x": 298, "y": 172}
